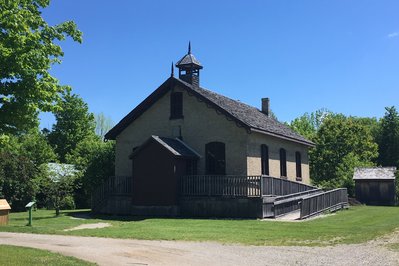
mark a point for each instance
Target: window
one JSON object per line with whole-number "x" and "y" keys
{"x": 283, "y": 163}
{"x": 215, "y": 158}
{"x": 176, "y": 105}
{"x": 264, "y": 150}
{"x": 298, "y": 165}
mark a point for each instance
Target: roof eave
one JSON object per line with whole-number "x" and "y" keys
{"x": 310, "y": 144}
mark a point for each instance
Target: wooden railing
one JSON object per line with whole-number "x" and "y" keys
{"x": 114, "y": 185}
{"x": 239, "y": 186}
{"x": 288, "y": 203}
{"x": 315, "y": 204}
{"x": 273, "y": 186}
{"x": 220, "y": 185}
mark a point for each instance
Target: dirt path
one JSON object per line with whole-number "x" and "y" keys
{"x": 107, "y": 251}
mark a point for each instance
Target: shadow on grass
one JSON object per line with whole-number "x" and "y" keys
{"x": 87, "y": 215}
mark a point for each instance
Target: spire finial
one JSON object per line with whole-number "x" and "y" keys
{"x": 189, "y": 47}
{"x": 172, "y": 70}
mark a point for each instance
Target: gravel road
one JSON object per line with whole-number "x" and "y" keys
{"x": 107, "y": 251}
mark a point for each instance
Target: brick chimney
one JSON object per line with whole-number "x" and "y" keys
{"x": 266, "y": 106}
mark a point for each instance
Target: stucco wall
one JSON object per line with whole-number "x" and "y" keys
{"x": 275, "y": 144}
{"x": 201, "y": 124}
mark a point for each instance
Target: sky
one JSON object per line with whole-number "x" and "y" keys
{"x": 303, "y": 55}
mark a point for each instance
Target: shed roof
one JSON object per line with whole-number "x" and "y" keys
{"x": 4, "y": 205}
{"x": 381, "y": 173}
{"x": 176, "y": 146}
{"x": 244, "y": 115}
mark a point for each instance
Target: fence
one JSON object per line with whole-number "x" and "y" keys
{"x": 333, "y": 199}
{"x": 218, "y": 185}
{"x": 114, "y": 185}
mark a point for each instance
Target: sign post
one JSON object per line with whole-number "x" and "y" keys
{"x": 29, "y": 207}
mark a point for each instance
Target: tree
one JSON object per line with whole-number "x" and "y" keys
{"x": 103, "y": 124}
{"x": 74, "y": 124}
{"x": 20, "y": 174}
{"x": 388, "y": 138}
{"x": 96, "y": 160}
{"x": 28, "y": 49}
{"x": 17, "y": 179}
{"x": 61, "y": 185}
{"x": 308, "y": 124}
{"x": 342, "y": 143}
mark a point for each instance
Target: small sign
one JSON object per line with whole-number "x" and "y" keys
{"x": 30, "y": 204}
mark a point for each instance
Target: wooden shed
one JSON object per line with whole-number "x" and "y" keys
{"x": 4, "y": 211}
{"x": 375, "y": 185}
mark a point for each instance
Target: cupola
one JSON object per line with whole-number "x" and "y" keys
{"x": 189, "y": 68}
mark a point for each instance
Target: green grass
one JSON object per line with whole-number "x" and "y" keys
{"x": 356, "y": 225}
{"x": 11, "y": 255}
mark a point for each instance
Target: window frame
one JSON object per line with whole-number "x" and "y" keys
{"x": 264, "y": 159}
{"x": 215, "y": 166}
{"x": 176, "y": 105}
{"x": 298, "y": 166}
{"x": 283, "y": 163}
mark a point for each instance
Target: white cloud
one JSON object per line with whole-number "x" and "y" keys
{"x": 393, "y": 34}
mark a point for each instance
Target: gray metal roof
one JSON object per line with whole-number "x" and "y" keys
{"x": 382, "y": 173}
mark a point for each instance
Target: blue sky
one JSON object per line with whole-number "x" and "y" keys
{"x": 304, "y": 55}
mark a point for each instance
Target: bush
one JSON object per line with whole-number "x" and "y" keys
{"x": 17, "y": 180}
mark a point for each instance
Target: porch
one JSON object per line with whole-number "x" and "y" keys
{"x": 223, "y": 196}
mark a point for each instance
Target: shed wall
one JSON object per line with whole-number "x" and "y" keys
{"x": 375, "y": 192}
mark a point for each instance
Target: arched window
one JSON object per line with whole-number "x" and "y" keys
{"x": 176, "y": 105}
{"x": 264, "y": 150}
{"x": 298, "y": 165}
{"x": 215, "y": 158}
{"x": 283, "y": 163}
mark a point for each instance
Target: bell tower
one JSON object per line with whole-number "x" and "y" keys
{"x": 189, "y": 68}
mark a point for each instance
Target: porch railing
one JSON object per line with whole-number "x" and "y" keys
{"x": 114, "y": 185}
{"x": 239, "y": 186}
{"x": 220, "y": 185}
{"x": 329, "y": 200}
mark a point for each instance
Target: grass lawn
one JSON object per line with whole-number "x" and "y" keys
{"x": 11, "y": 255}
{"x": 356, "y": 225}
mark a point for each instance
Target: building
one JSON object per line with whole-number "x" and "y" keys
{"x": 182, "y": 129}
{"x": 375, "y": 185}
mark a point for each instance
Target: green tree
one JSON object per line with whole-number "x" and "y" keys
{"x": 308, "y": 124}
{"x": 20, "y": 174}
{"x": 342, "y": 143}
{"x": 17, "y": 179}
{"x": 388, "y": 138}
{"x": 74, "y": 124}
{"x": 60, "y": 185}
{"x": 96, "y": 160}
{"x": 28, "y": 49}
